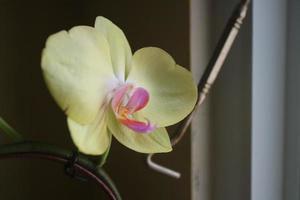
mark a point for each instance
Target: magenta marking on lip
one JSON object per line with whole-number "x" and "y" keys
{"x": 138, "y": 126}
{"x": 138, "y": 100}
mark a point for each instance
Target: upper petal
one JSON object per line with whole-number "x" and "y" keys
{"x": 172, "y": 90}
{"x": 92, "y": 139}
{"x": 119, "y": 47}
{"x": 78, "y": 71}
{"x": 157, "y": 141}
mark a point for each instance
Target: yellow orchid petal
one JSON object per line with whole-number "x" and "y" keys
{"x": 171, "y": 88}
{"x": 92, "y": 139}
{"x": 78, "y": 71}
{"x": 157, "y": 141}
{"x": 119, "y": 47}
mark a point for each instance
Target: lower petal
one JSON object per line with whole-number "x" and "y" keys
{"x": 157, "y": 141}
{"x": 92, "y": 139}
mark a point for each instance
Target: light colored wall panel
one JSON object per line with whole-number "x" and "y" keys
{"x": 268, "y": 77}
{"x": 200, "y": 29}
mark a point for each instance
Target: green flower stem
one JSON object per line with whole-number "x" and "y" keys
{"x": 50, "y": 152}
{"x": 104, "y": 156}
{"x": 9, "y": 131}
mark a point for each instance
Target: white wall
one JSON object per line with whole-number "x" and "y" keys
{"x": 268, "y": 78}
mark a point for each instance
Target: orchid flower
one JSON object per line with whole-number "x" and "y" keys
{"x": 104, "y": 90}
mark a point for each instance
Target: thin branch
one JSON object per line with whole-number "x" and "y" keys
{"x": 161, "y": 168}
{"x": 210, "y": 74}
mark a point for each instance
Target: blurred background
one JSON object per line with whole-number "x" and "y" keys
{"x": 27, "y": 105}
{"x": 244, "y": 142}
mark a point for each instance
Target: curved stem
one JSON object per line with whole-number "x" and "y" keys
{"x": 83, "y": 165}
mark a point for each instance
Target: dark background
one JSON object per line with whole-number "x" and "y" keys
{"x": 26, "y": 104}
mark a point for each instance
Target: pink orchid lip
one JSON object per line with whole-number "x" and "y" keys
{"x": 138, "y": 126}
{"x": 126, "y": 101}
{"x": 119, "y": 95}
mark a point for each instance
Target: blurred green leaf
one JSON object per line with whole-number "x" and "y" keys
{"x": 9, "y": 131}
